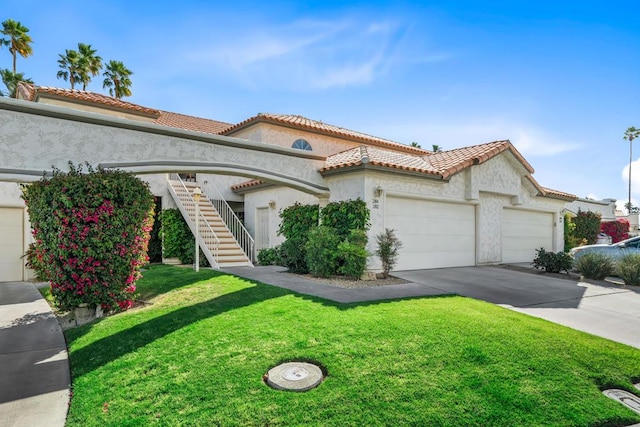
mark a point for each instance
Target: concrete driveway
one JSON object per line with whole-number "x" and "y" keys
{"x": 604, "y": 309}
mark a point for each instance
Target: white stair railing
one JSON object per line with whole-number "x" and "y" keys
{"x": 230, "y": 218}
{"x": 207, "y": 239}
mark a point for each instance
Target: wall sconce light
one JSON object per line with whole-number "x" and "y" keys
{"x": 272, "y": 204}
{"x": 378, "y": 191}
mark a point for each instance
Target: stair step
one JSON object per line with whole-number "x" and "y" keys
{"x": 228, "y": 251}
{"x": 234, "y": 264}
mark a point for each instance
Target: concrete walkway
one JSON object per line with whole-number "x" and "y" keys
{"x": 34, "y": 365}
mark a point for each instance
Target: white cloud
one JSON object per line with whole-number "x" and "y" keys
{"x": 532, "y": 141}
{"x": 635, "y": 180}
{"x": 308, "y": 54}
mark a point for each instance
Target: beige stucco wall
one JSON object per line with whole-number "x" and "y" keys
{"x": 283, "y": 136}
{"x": 283, "y": 198}
{"x": 61, "y": 135}
{"x": 606, "y": 208}
{"x": 493, "y": 185}
{"x": 224, "y": 183}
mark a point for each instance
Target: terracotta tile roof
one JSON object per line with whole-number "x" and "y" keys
{"x": 196, "y": 124}
{"x": 444, "y": 164}
{"x": 249, "y": 184}
{"x": 32, "y": 92}
{"x": 301, "y": 122}
{"x": 378, "y": 157}
{"x": 453, "y": 161}
{"x": 165, "y": 118}
{"x": 558, "y": 194}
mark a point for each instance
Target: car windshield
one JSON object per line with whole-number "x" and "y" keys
{"x": 629, "y": 243}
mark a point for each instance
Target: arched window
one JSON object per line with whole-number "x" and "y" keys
{"x": 301, "y": 144}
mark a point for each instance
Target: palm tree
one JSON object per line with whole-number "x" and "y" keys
{"x": 436, "y": 148}
{"x": 69, "y": 64}
{"x": 18, "y": 41}
{"x": 631, "y": 134}
{"x": 11, "y": 81}
{"x": 89, "y": 63}
{"x": 117, "y": 79}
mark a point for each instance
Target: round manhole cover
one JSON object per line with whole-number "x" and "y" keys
{"x": 295, "y": 376}
{"x": 294, "y": 373}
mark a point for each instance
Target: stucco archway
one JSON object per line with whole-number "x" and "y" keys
{"x": 34, "y": 138}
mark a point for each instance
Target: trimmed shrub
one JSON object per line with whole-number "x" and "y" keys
{"x": 91, "y": 233}
{"x": 322, "y": 251}
{"x": 179, "y": 241}
{"x": 388, "y": 247}
{"x": 297, "y": 224}
{"x": 595, "y": 265}
{"x": 293, "y": 255}
{"x": 587, "y": 226}
{"x": 618, "y": 229}
{"x": 298, "y": 220}
{"x": 628, "y": 269}
{"x": 353, "y": 255}
{"x": 552, "y": 262}
{"x": 345, "y": 216}
{"x": 269, "y": 256}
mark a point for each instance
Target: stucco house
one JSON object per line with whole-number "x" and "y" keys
{"x": 468, "y": 206}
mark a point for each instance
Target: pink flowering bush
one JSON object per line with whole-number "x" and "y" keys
{"x": 91, "y": 233}
{"x": 618, "y": 229}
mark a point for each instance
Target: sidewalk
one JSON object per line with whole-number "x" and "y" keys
{"x": 34, "y": 365}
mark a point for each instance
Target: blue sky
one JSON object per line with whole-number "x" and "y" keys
{"x": 561, "y": 80}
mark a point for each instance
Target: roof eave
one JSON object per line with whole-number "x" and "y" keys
{"x": 94, "y": 104}
{"x": 250, "y": 188}
{"x": 361, "y": 167}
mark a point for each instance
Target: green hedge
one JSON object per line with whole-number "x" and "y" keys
{"x": 178, "y": 240}
{"x": 327, "y": 249}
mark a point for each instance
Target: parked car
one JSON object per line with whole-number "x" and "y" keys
{"x": 614, "y": 251}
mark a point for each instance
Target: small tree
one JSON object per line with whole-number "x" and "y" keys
{"x": 388, "y": 247}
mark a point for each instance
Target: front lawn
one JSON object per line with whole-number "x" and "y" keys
{"x": 197, "y": 354}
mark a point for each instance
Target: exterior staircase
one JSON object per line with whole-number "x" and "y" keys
{"x": 218, "y": 244}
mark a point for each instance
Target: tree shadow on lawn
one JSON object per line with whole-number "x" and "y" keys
{"x": 114, "y": 346}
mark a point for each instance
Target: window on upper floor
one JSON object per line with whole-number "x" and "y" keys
{"x": 301, "y": 144}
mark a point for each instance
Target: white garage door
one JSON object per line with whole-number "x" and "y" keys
{"x": 523, "y": 232}
{"x": 433, "y": 234}
{"x": 11, "y": 249}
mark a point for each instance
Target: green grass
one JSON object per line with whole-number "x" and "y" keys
{"x": 196, "y": 356}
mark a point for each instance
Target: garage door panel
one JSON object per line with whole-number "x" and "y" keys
{"x": 428, "y": 225}
{"x": 433, "y": 234}
{"x": 523, "y": 232}
{"x": 11, "y": 248}
{"x": 417, "y": 243}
